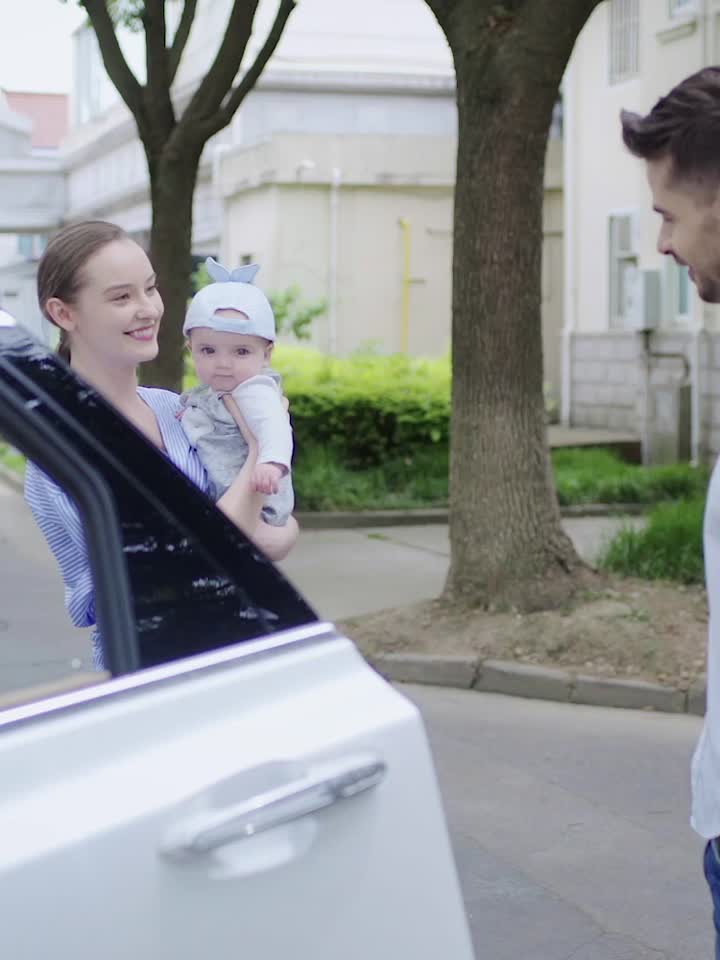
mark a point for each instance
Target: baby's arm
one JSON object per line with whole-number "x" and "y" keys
{"x": 261, "y": 404}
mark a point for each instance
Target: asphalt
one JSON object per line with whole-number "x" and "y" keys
{"x": 570, "y": 827}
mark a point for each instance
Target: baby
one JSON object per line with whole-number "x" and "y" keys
{"x": 230, "y": 329}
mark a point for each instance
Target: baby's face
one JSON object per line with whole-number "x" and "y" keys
{"x": 224, "y": 360}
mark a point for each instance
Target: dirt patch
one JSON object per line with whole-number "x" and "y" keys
{"x": 632, "y": 628}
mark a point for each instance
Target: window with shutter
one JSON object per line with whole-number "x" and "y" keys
{"x": 624, "y": 40}
{"x": 622, "y": 268}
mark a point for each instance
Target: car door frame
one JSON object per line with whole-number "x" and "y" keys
{"x": 63, "y": 442}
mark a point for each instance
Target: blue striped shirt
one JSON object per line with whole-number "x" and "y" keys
{"x": 58, "y": 517}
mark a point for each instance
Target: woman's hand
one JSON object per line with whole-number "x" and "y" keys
{"x": 241, "y": 502}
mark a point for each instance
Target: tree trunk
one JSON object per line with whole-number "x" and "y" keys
{"x": 172, "y": 186}
{"x": 508, "y": 547}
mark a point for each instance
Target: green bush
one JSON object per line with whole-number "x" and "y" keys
{"x": 669, "y": 548}
{"x": 366, "y": 408}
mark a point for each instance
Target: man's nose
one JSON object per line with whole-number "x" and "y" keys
{"x": 663, "y": 244}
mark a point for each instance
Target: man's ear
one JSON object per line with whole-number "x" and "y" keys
{"x": 60, "y": 313}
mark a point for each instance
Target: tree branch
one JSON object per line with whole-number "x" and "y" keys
{"x": 440, "y": 10}
{"x": 225, "y": 114}
{"x": 115, "y": 63}
{"x": 181, "y": 38}
{"x": 209, "y": 96}
{"x": 157, "y": 89}
{"x": 153, "y": 20}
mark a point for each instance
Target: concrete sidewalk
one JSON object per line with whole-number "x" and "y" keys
{"x": 346, "y": 573}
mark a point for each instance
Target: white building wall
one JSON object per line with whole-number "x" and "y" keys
{"x": 278, "y": 212}
{"x": 607, "y": 367}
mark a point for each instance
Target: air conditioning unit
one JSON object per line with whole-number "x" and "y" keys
{"x": 642, "y": 304}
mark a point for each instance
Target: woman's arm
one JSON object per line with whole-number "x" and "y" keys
{"x": 276, "y": 542}
{"x": 243, "y": 504}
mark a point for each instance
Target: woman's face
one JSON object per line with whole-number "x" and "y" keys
{"x": 116, "y": 315}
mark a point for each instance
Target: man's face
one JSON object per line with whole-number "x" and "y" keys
{"x": 690, "y": 230}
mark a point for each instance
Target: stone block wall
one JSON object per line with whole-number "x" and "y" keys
{"x": 607, "y": 371}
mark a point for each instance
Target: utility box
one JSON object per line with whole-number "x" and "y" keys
{"x": 642, "y": 300}
{"x": 669, "y": 424}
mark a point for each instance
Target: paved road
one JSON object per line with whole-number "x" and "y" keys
{"x": 570, "y": 828}
{"x": 37, "y": 640}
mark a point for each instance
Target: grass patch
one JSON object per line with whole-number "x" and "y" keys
{"x": 12, "y": 459}
{"x": 600, "y": 476}
{"x": 322, "y": 483}
{"x": 669, "y": 548}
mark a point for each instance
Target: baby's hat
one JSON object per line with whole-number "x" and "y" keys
{"x": 231, "y": 291}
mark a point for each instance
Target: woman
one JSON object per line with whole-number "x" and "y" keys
{"x": 98, "y": 287}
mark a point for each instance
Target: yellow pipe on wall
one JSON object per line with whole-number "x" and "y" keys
{"x": 406, "y": 281}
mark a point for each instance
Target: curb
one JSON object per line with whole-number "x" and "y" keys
{"x": 464, "y": 672}
{"x": 350, "y": 519}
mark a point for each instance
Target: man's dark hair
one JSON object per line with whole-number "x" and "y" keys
{"x": 684, "y": 125}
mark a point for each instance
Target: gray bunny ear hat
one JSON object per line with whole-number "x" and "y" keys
{"x": 231, "y": 290}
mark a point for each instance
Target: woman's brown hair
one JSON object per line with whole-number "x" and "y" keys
{"x": 60, "y": 268}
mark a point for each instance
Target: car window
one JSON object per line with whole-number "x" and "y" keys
{"x": 41, "y": 651}
{"x": 166, "y": 573}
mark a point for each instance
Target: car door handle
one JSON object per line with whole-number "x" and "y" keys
{"x": 325, "y": 784}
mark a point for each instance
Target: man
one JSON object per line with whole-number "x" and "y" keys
{"x": 679, "y": 140}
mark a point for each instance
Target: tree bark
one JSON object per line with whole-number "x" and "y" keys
{"x": 172, "y": 185}
{"x": 507, "y": 544}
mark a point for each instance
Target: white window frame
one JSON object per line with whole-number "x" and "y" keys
{"x": 682, "y": 8}
{"x": 622, "y": 256}
{"x": 623, "y": 40}
{"x": 673, "y": 315}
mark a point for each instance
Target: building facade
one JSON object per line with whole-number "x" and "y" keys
{"x": 336, "y": 174}
{"x": 641, "y": 352}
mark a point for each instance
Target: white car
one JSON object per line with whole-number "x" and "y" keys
{"x": 242, "y": 784}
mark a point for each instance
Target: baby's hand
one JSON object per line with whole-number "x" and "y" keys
{"x": 266, "y": 477}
